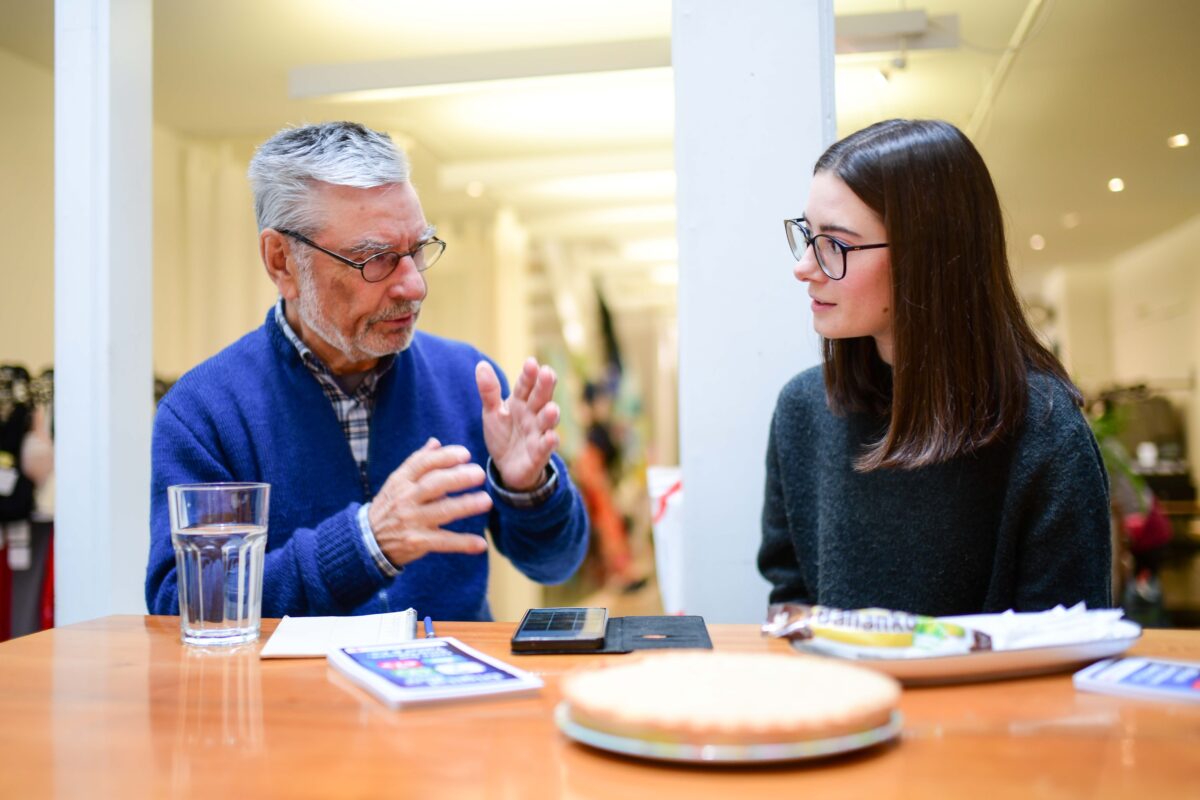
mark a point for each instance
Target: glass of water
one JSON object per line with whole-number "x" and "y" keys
{"x": 219, "y": 531}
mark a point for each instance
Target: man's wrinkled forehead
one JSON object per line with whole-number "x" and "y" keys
{"x": 393, "y": 205}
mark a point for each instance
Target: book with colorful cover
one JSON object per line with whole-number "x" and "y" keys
{"x": 1149, "y": 678}
{"x": 426, "y": 670}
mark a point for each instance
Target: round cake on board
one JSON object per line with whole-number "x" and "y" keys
{"x": 712, "y": 698}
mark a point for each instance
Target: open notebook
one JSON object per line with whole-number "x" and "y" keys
{"x": 311, "y": 637}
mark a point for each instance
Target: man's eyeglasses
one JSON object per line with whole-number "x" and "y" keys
{"x": 830, "y": 252}
{"x": 380, "y": 265}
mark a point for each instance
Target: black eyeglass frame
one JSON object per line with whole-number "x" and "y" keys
{"x": 361, "y": 266}
{"x": 809, "y": 239}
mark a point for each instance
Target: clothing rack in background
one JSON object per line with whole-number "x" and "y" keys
{"x": 1147, "y": 411}
{"x": 26, "y": 534}
{"x": 19, "y": 388}
{"x": 1150, "y": 425}
{"x": 26, "y": 500}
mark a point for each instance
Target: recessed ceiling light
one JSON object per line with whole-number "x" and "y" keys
{"x": 1178, "y": 140}
{"x": 1071, "y": 220}
{"x": 1037, "y": 242}
{"x": 474, "y": 189}
{"x": 1116, "y": 185}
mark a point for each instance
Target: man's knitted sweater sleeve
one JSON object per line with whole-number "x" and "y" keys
{"x": 546, "y": 542}
{"x": 317, "y": 570}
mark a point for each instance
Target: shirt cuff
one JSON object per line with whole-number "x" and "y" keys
{"x": 530, "y": 499}
{"x": 364, "y": 524}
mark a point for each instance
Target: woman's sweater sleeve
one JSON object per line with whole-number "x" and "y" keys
{"x": 1066, "y": 537}
{"x": 777, "y": 552}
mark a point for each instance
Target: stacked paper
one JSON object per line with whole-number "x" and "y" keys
{"x": 1057, "y": 626}
{"x": 307, "y": 637}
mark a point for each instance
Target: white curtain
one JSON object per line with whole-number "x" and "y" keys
{"x": 209, "y": 285}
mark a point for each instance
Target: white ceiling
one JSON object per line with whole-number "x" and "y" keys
{"x": 1093, "y": 93}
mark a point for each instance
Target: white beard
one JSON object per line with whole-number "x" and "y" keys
{"x": 312, "y": 314}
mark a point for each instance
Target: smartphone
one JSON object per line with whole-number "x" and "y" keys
{"x": 559, "y": 629}
{"x": 1153, "y": 678}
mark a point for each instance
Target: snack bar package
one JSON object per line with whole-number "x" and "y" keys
{"x": 871, "y": 633}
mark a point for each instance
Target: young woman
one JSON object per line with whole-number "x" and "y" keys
{"x": 937, "y": 462}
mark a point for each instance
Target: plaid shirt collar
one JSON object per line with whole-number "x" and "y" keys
{"x": 353, "y": 410}
{"x": 365, "y": 390}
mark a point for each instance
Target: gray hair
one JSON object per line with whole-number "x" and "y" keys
{"x": 342, "y": 153}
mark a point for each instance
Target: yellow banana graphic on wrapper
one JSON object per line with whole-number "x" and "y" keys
{"x": 871, "y": 632}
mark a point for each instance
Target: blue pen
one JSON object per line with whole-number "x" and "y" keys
{"x": 429, "y": 628}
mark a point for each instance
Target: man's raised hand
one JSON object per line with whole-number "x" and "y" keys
{"x": 519, "y": 431}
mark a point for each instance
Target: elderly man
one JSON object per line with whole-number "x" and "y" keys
{"x": 388, "y": 450}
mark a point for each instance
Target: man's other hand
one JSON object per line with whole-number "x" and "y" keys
{"x": 407, "y": 514}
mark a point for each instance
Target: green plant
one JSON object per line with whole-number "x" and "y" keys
{"x": 1106, "y": 427}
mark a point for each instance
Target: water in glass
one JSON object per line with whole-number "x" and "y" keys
{"x": 219, "y": 567}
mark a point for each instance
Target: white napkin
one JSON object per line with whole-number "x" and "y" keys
{"x": 1058, "y": 626}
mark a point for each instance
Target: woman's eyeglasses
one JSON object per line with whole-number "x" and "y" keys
{"x": 830, "y": 252}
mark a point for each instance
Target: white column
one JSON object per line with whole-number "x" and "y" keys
{"x": 102, "y": 247}
{"x": 753, "y": 111}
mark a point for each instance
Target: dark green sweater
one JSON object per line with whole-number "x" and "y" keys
{"x": 1022, "y": 525}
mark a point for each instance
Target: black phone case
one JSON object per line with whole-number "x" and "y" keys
{"x": 626, "y": 634}
{"x": 570, "y": 645}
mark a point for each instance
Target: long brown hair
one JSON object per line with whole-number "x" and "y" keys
{"x": 962, "y": 346}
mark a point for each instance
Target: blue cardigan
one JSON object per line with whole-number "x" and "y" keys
{"x": 254, "y": 412}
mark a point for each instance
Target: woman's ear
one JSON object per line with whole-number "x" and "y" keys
{"x": 282, "y": 269}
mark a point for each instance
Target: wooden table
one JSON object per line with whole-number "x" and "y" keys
{"x": 117, "y": 707}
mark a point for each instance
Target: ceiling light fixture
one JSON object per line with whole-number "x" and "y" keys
{"x": 440, "y": 74}
{"x": 398, "y": 79}
{"x": 474, "y": 189}
{"x": 659, "y": 184}
{"x": 1037, "y": 242}
{"x": 895, "y": 31}
{"x": 1178, "y": 140}
{"x": 1116, "y": 185}
{"x": 1070, "y": 220}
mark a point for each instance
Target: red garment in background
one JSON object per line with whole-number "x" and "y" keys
{"x": 608, "y": 526}
{"x": 5, "y": 596}
{"x": 47, "y": 607}
{"x": 1148, "y": 531}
